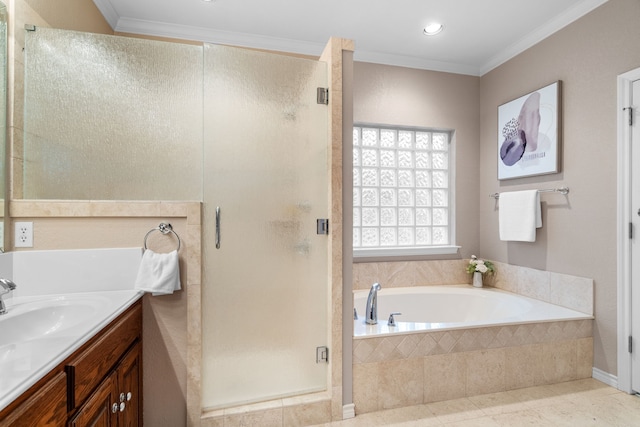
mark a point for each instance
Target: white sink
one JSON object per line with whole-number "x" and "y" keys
{"x": 37, "y": 319}
{"x": 37, "y": 333}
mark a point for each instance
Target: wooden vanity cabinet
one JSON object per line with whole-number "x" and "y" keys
{"x": 104, "y": 380}
{"x": 99, "y": 385}
{"x": 116, "y": 402}
{"x": 47, "y": 406}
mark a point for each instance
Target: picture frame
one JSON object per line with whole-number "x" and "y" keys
{"x": 529, "y": 134}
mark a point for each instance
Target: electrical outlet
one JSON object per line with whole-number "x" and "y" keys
{"x": 24, "y": 234}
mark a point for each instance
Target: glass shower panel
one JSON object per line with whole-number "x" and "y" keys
{"x": 110, "y": 117}
{"x": 265, "y": 292}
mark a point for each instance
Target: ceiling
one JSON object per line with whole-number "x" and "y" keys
{"x": 478, "y": 35}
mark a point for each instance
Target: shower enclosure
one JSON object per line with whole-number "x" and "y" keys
{"x": 110, "y": 117}
{"x": 265, "y": 298}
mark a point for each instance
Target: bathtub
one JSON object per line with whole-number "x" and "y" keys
{"x": 436, "y": 308}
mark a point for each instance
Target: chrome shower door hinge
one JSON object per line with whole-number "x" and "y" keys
{"x": 322, "y": 226}
{"x": 323, "y": 95}
{"x": 322, "y": 354}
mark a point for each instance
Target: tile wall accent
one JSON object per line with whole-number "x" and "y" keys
{"x": 409, "y": 273}
{"x": 407, "y": 370}
{"x": 568, "y": 291}
{"x": 408, "y": 346}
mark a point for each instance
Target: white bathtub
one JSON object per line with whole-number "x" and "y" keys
{"x": 431, "y": 308}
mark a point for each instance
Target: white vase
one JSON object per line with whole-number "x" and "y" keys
{"x": 477, "y": 279}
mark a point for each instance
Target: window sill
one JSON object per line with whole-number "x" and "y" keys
{"x": 427, "y": 252}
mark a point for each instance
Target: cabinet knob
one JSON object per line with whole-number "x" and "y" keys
{"x": 122, "y": 406}
{"x": 129, "y": 395}
{"x": 122, "y": 397}
{"x": 114, "y": 408}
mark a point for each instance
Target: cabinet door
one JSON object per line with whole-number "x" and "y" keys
{"x": 129, "y": 388}
{"x": 47, "y": 407}
{"x": 97, "y": 411}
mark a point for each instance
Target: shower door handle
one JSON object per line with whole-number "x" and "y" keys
{"x": 217, "y": 227}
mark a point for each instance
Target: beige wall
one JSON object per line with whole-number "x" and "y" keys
{"x": 77, "y": 15}
{"x": 579, "y": 232}
{"x": 402, "y": 96}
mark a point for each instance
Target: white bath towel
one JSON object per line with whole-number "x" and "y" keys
{"x": 519, "y": 215}
{"x": 158, "y": 273}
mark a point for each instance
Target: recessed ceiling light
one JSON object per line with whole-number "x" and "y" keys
{"x": 432, "y": 29}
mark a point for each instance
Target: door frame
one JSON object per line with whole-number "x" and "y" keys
{"x": 625, "y": 82}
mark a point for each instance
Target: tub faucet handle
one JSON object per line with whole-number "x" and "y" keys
{"x": 392, "y": 320}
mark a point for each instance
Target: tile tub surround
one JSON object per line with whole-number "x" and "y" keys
{"x": 398, "y": 371}
{"x": 565, "y": 290}
{"x": 405, "y": 370}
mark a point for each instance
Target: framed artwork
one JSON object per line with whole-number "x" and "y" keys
{"x": 529, "y": 134}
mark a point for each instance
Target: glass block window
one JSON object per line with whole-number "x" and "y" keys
{"x": 401, "y": 188}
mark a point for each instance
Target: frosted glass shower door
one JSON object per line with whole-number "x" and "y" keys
{"x": 265, "y": 289}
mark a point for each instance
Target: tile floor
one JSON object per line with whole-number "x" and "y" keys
{"x": 579, "y": 403}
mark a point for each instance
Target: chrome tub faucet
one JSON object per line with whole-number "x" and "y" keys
{"x": 6, "y": 286}
{"x": 372, "y": 304}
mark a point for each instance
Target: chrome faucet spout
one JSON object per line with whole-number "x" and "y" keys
{"x": 6, "y": 286}
{"x": 372, "y": 304}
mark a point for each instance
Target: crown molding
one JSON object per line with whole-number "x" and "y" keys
{"x": 541, "y": 33}
{"x": 106, "y": 8}
{"x": 415, "y": 62}
{"x": 207, "y": 35}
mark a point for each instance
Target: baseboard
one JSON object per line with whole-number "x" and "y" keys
{"x": 348, "y": 411}
{"x": 605, "y": 377}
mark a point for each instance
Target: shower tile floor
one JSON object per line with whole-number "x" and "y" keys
{"x": 579, "y": 403}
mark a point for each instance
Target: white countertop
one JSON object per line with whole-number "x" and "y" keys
{"x": 27, "y": 355}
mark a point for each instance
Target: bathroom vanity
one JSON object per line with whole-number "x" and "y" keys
{"x": 98, "y": 382}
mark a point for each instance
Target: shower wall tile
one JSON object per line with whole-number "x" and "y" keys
{"x": 209, "y": 422}
{"x": 336, "y": 403}
{"x": 267, "y": 418}
{"x": 307, "y": 414}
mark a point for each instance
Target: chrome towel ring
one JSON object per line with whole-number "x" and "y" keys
{"x": 164, "y": 228}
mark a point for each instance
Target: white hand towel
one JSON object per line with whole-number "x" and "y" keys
{"x": 158, "y": 273}
{"x": 519, "y": 215}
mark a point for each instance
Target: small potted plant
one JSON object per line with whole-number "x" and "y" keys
{"x": 478, "y": 268}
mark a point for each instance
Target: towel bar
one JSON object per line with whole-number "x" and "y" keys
{"x": 561, "y": 190}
